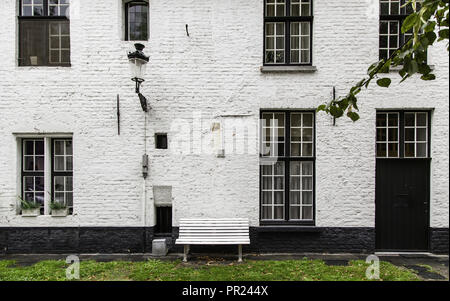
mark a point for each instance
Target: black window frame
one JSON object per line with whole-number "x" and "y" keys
{"x": 401, "y": 138}
{"x": 400, "y": 18}
{"x": 287, "y": 19}
{"x": 44, "y": 17}
{"x": 287, "y": 159}
{"x": 54, "y": 173}
{"x": 24, "y": 173}
{"x": 127, "y": 29}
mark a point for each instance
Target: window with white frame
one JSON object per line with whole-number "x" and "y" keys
{"x": 392, "y": 15}
{"x": 416, "y": 134}
{"x": 34, "y": 175}
{"x": 388, "y": 130}
{"x": 287, "y": 167}
{"x": 33, "y": 171}
{"x": 403, "y": 134}
{"x": 62, "y": 172}
{"x": 44, "y": 33}
{"x": 288, "y": 32}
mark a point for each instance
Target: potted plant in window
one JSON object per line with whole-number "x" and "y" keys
{"x": 59, "y": 209}
{"x": 29, "y": 209}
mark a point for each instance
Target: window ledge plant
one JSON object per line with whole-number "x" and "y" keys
{"x": 29, "y": 209}
{"x": 59, "y": 209}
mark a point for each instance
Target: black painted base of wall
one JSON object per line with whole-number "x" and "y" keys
{"x": 139, "y": 240}
{"x": 439, "y": 240}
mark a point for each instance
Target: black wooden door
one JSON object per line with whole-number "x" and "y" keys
{"x": 402, "y": 202}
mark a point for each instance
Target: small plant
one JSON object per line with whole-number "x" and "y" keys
{"x": 57, "y": 206}
{"x": 27, "y": 205}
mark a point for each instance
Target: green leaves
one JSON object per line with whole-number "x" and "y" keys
{"x": 428, "y": 77}
{"x": 384, "y": 82}
{"x": 410, "y": 21}
{"x": 432, "y": 16}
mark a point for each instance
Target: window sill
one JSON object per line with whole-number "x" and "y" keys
{"x": 279, "y": 229}
{"x": 292, "y": 69}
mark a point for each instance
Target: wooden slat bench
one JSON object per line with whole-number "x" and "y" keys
{"x": 213, "y": 232}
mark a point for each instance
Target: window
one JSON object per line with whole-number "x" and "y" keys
{"x": 392, "y": 15}
{"x": 287, "y": 167}
{"x": 44, "y": 33}
{"x": 161, "y": 141}
{"x": 403, "y": 134}
{"x": 33, "y": 171}
{"x": 62, "y": 172}
{"x": 136, "y": 20}
{"x": 288, "y": 32}
{"x": 34, "y": 176}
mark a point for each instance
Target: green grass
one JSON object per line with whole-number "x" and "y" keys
{"x": 156, "y": 270}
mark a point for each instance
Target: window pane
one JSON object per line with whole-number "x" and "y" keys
{"x": 307, "y": 213}
{"x": 307, "y": 168}
{"x": 59, "y": 184}
{"x": 421, "y": 134}
{"x": 393, "y": 134}
{"x": 267, "y": 197}
{"x": 307, "y": 150}
{"x": 266, "y": 212}
{"x": 279, "y": 212}
{"x": 381, "y": 120}
{"x": 295, "y": 197}
{"x": 409, "y": 119}
{"x": 393, "y": 150}
{"x": 137, "y": 22}
{"x": 421, "y": 150}
{"x": 267, "y": 182}
{"x": 307, "y": 183}
{"x": 294, "y": 212}
{"x": 307, "y": 197}
{"x": 381, "y": 134}
{"x": 59, "y": 163}
{"x": 381, "y": 149}
{"x": 409, "y": 150}
{"x": 39, "y": 42}
{"x": 409, "y": 134}
{"x": 421, "y": 119}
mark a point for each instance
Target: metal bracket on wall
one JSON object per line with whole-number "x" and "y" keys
{"x": 118, "y": 114}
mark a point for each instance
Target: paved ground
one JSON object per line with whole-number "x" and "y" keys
{"x": 428, "y": 267}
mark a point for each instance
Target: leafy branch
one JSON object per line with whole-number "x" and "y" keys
{"x": 432, "y": 16}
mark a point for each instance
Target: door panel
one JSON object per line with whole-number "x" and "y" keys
{"x": 402, "y": 202}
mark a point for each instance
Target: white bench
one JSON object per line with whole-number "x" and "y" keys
{"x": 213, "y": 232}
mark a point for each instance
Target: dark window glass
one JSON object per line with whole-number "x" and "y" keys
{"x": 62, "y": 172}
{"x": 44, "y": 35}
{"x": 33, "y": 171}
{"x": 287, "y": 32}
{"x": 137, "y": 21}
{"x": 161, "y": 141}
{"x": 163, "y": 221}
{"x": 392, "y": 15}
{"x": 287, "y": 167}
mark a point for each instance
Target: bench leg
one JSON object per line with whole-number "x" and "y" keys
{"x": 240, "y": 253}
{"x": 186, "y": 251}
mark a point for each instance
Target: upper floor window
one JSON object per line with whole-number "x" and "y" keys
{"x": 136, "y": 20}
{"x": 392, "y": 15}
{"x": 44, "y": 33}
{"x": 288, "y": 32}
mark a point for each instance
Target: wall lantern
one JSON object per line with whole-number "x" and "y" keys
{"x": 138, "y": 65}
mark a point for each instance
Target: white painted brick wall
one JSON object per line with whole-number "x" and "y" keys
{"x": 215, "y": 71}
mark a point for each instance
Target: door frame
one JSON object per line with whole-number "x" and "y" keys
{"x": 401, "y": 140}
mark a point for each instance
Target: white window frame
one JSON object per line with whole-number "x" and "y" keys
{"x": 415, "y": 127}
